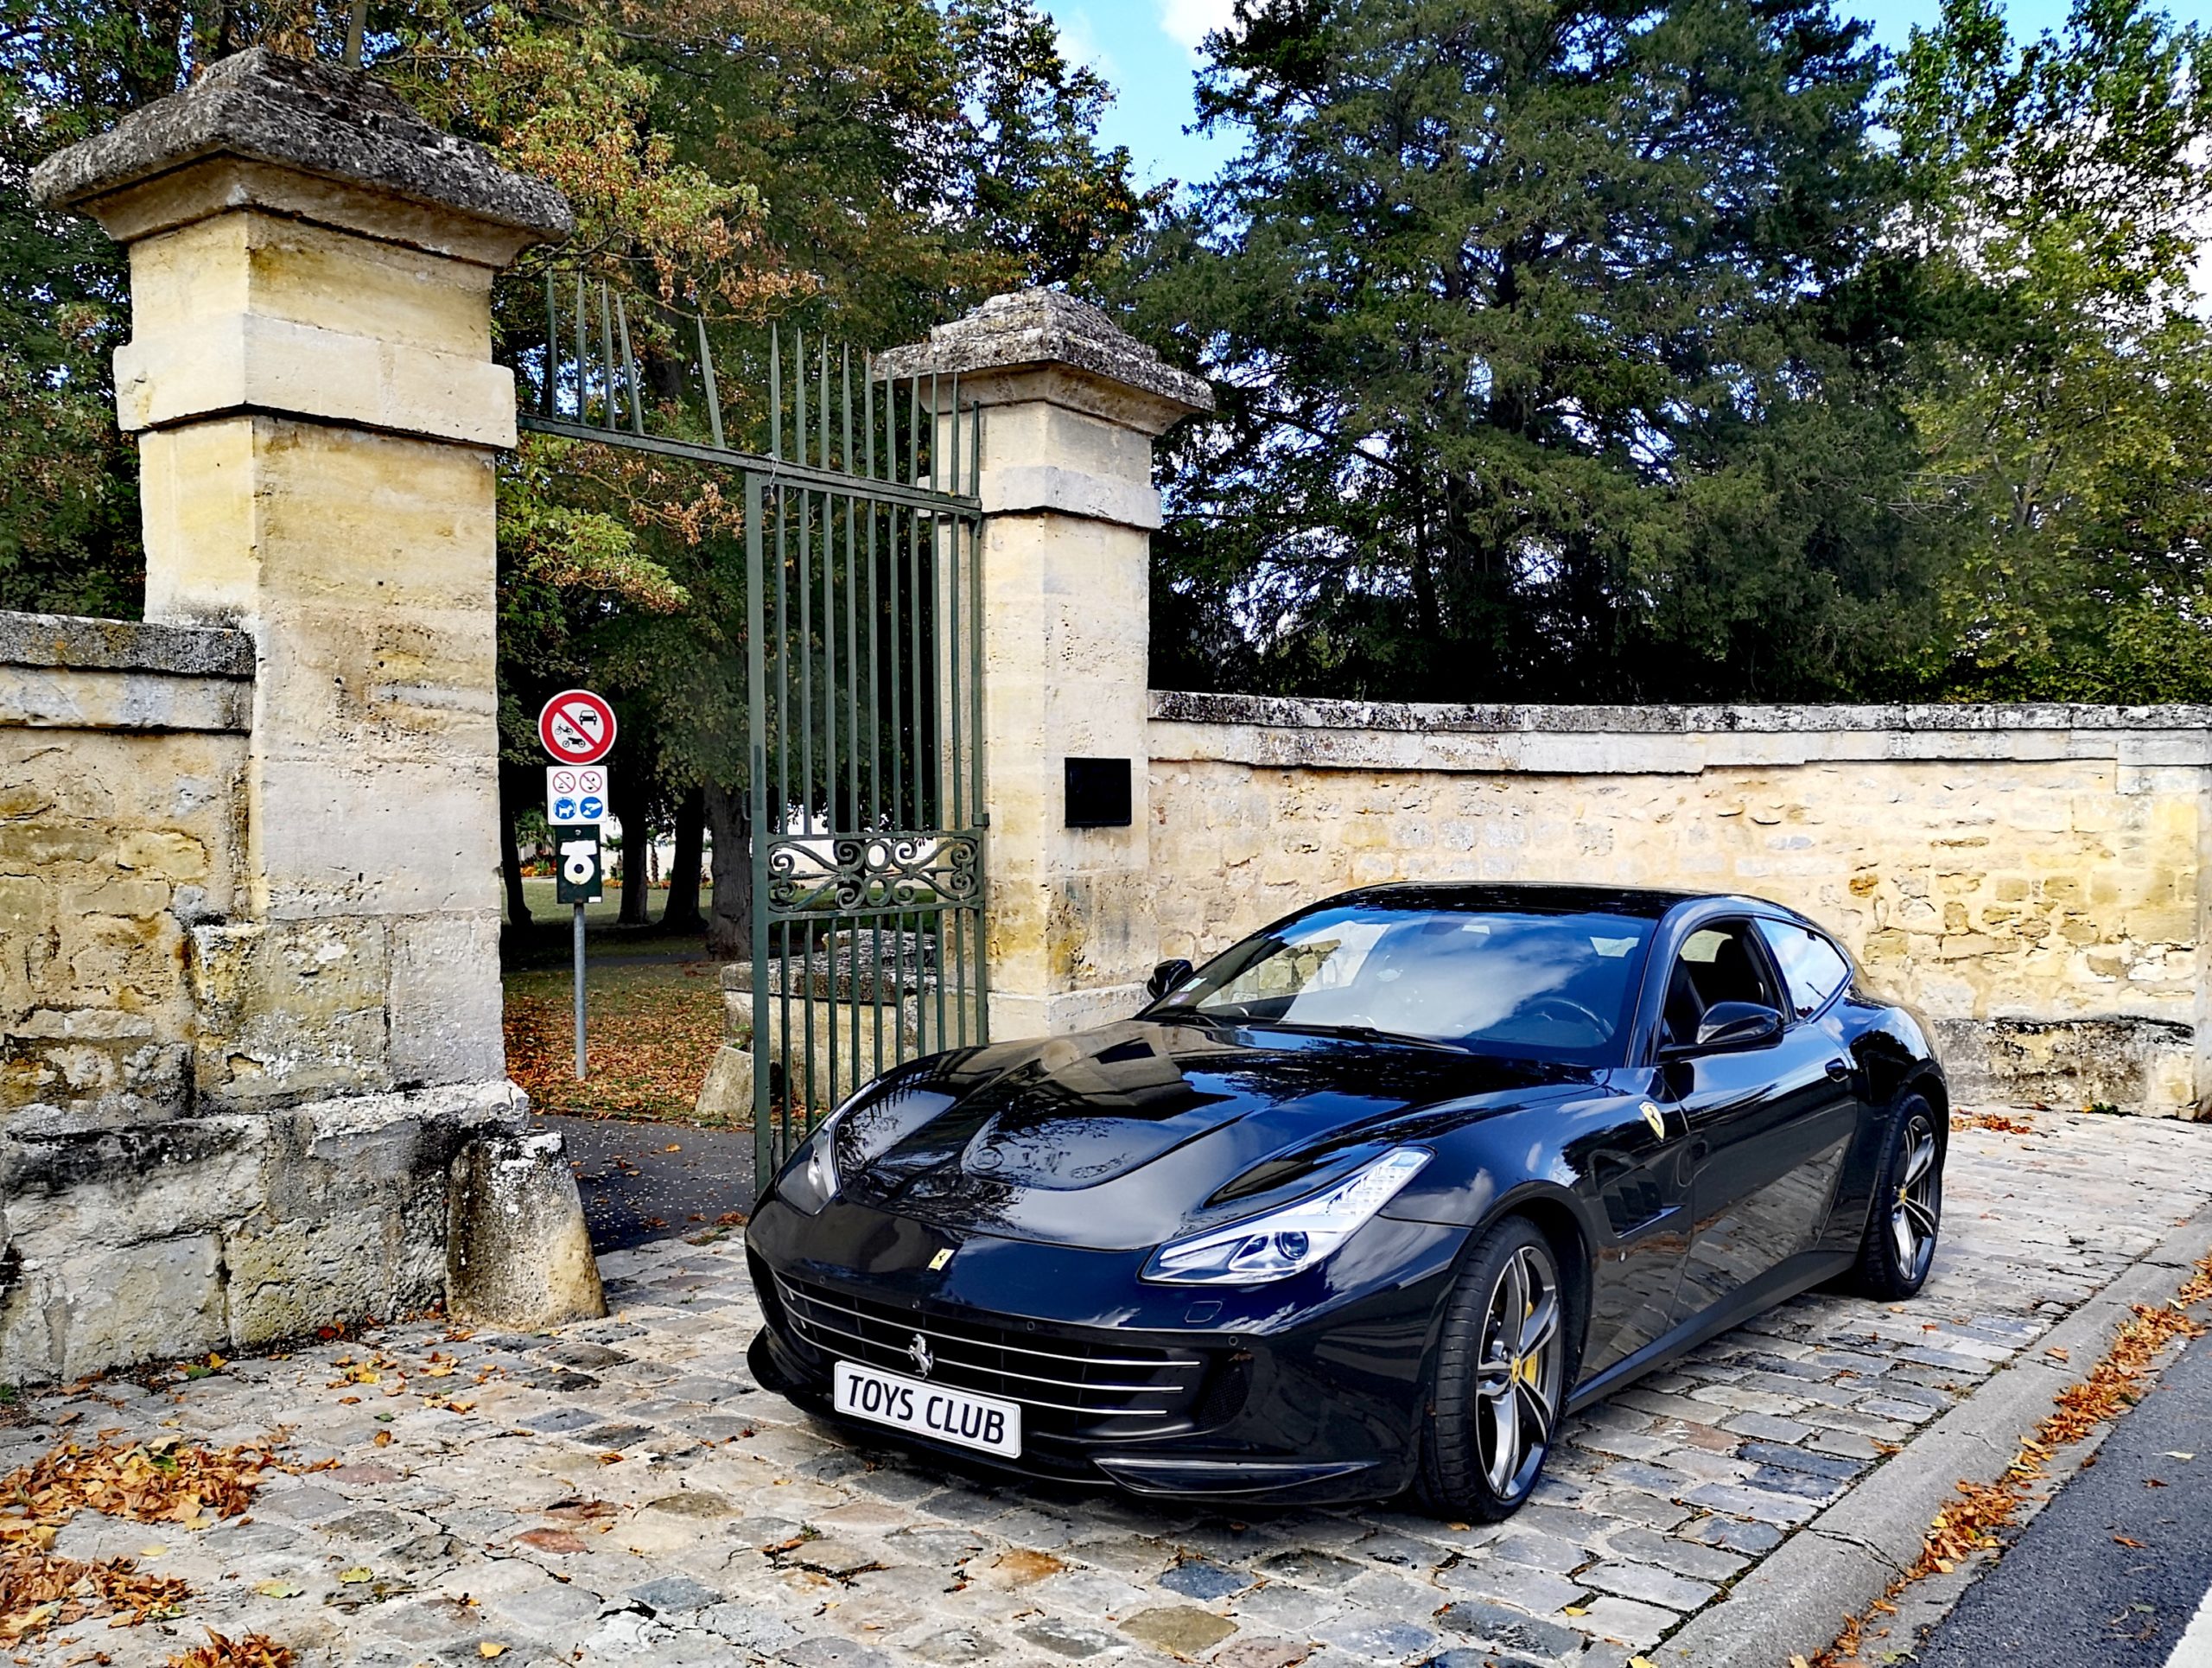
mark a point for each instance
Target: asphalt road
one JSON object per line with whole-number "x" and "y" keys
{"x": 643, "y": 1181}
{"x": 2072, "y": 1594}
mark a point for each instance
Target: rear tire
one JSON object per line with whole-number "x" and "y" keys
{"x": 1906, "y": 1218}
{"x": 1503, "y": 1365}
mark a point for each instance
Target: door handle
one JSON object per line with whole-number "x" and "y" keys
{"x": 1840, "y": 1070}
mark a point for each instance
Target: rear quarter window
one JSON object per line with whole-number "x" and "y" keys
{"x": 1814, "y": 969}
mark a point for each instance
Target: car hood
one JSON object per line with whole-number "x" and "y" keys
{"x": 1126, "y": 1135}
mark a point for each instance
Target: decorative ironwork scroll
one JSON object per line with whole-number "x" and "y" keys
{"x": 894, "y": 872}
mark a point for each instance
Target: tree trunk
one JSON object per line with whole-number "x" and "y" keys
{"x": 681, "y": 913}
{"x": 511, "y": 856}
{"x": 629, "y": 808}
{"x": 729, "y": 923}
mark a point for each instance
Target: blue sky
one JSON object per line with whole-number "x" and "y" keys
{"x": 1148, "y": 49}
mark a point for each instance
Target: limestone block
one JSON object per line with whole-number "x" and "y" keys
{"x": 290, "y": 1010}
{"x": 517, "y": 1251}
{"x": 248, "y": 362}
{"x": 725, "y": 1097}
{"x": 445, "y": 999}
{"x": 70, "y": 1180}
{"x": 282, "y": 268}
{"x": 158, "y": 1300}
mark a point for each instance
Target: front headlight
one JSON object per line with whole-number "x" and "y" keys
{"x": 1290, "y": 1240}
{"x": 811, "y": 1179}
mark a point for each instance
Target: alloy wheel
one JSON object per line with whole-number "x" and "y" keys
{"x": 1517, "y": 1385}
{"x": 1918, "y": 1208}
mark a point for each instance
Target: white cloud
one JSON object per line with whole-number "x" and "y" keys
{"x": 1187, "y": 22}
{"x": 1079, "y": 43}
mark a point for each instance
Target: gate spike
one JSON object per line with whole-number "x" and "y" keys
{"x": 707, "y": 372}
{"x": 637, "y": 393}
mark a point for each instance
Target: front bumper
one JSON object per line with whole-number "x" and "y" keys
{"x": 1305, "y": 1390}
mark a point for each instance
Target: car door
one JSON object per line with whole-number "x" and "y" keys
{"x": 1757, "y": 1120}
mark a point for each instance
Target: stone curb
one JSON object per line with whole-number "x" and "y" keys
{"x": 1793, "y": 1603}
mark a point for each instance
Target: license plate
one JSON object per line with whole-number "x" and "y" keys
{"x": 927, "y": 1409}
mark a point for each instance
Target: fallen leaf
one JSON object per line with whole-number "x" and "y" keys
{"x": 277, "y": 1589}
{"x": 357, "y": 1575}
{"x": 552, "y": 1540}
{"x": 2176, "y": 1453}
{"x": 2128, "y": 1540}
{"x": 490, "y": 1648}
{"x": 1572, "y": 1610}
{"x": 252, "y": 1651}
{"x": 673, "y": 1147}
{"x": 382, "y": 1439}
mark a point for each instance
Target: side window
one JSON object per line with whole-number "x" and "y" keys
{"x": 1715, "y": 964}
{"x": 1814, "y": 969}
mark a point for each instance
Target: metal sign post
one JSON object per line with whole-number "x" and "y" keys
{"x": 578, "y": 729}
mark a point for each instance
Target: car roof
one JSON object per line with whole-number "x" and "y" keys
{"x": 1648, "y": 903}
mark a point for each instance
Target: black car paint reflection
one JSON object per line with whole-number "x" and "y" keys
{"x": 1008, "y": 1199}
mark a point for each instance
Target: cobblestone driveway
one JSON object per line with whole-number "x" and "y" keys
{"x": 621, "y": 1493}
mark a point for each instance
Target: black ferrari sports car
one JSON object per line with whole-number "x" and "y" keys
{"x": 1365, "y": 1204}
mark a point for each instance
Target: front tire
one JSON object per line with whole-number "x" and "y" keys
{"x": 1907, "y": 1215}
{"x": 1500, "y": 1378}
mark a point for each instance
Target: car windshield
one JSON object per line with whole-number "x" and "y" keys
{"x": 1553, "y": 986}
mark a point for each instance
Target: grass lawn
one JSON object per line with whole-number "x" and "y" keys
{"x": 546, "y": 911}
{"x": 651, "y": 1029}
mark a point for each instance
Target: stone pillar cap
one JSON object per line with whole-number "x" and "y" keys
{"x": 1039, "y": 329}
{"x": 341, "y": 124}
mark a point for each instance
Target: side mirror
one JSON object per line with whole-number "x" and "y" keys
{"x": 1732, "y": 1027}
{"x": 1166, "y": 976}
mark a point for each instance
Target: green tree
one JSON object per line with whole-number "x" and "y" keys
{"x": 1553, "y": 363}
{"x": 2060, "y": 191}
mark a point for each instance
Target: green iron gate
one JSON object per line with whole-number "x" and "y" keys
{"x": 863, "y": 635}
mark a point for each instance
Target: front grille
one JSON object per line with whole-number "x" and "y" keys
{"x": 1102, "y": 1385}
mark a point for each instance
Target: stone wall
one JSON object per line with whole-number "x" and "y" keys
{"x": 2029, "y": 877}
{"x": 122, "y": 752}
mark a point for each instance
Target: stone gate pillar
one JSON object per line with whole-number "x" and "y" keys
{"x": 311, "y": 380}
{"x": 1071, "y": 406}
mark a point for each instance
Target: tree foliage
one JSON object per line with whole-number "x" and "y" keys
{"x": 2060, "y": 192}
{"x": 1552, "y": 364}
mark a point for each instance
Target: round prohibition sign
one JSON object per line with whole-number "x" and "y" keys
{"x": 577, "y": 727}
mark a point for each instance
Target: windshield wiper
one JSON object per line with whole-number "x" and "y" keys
{"x": 1363, "y": 1033}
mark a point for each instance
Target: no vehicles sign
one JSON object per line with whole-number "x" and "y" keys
{"x": 577, "y": 727}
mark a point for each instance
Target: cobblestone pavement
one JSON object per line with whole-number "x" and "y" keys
{"x": 621, "y": 1492}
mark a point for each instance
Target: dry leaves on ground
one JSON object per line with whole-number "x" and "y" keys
{"x": 650, "y": 1032}
{"x": 1997, "y": 1121}
{"x": 253, "y": 1650}
{"x": 39, "y": 1591}
{"x": 164, "y": 1482}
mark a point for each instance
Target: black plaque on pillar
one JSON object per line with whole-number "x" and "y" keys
{"x": 1098, "y": 793}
